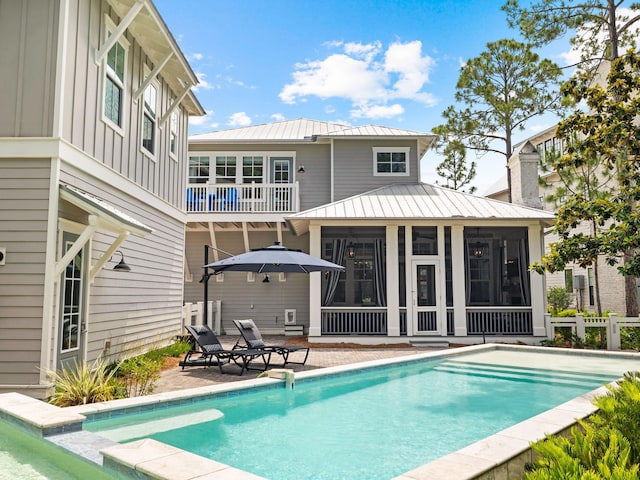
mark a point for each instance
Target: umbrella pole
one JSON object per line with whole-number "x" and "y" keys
{"x": 205, "y": 306}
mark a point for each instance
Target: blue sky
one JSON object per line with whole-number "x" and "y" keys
{"x": 382, "y": 62}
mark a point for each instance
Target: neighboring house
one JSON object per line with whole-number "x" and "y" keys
{"x": 578, "y": 280}
{"x": 423, "y": 263}
{"x": 93, "y": 159}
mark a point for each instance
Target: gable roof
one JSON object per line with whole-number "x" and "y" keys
{"x": 307, "y": 131}
{"x": 419, "y": 201}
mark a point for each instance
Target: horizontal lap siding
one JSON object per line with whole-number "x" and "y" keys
{"x": 24, "y": 201}
{"x": 134, "y": 310}
{"x": 269, "y": 300}
{"x": 353, "y": 162}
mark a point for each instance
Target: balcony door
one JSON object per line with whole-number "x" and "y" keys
{"x": 281, "y": 173}
{"x": 426, "y": 297}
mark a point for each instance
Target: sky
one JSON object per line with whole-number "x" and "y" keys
{"x": 356, "y": 62}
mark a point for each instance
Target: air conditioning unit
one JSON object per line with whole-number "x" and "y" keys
{"x": 290, "y": 316}
{"x": 578, "y": 282}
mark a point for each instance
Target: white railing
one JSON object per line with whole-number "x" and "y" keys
{"x": 354, "y": 321}
{"x": 499, "y": 321}
{"x": 193, "y": 314}
{"x": 242, "y": 198}
{"x": 579, "y": 324}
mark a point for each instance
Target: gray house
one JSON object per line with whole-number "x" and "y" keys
{"x": 93, "y": 159}
{"x": 423, "y": 263}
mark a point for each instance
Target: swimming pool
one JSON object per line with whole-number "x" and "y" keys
{"x": 353, "y": 425}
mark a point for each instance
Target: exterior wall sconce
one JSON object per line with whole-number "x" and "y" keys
{"x": 301, "y": 169}
{"x": 121, "y": 266}
{"x": 351, "y": 250}
{"x": 478, "y": 249}
{"x": 266, "y": 279}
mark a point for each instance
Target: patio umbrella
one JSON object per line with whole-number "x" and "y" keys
{"x": 275, "y": 258}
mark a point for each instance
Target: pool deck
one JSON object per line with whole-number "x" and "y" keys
{"x": 319, "y": 357}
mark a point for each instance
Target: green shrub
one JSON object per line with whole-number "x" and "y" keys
{"x": 138, "y": 375}
{"x": 558, "y": 298}
{"x": 82, "y": 384}
{"x": 569, "y": 312}
{"x": 176, "y": 349}
{"x": 606, "y": 446}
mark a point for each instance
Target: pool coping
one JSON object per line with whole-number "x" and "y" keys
{"x": 497, "y": 456}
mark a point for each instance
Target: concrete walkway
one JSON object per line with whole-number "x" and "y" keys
{"x": 174, "y": 378}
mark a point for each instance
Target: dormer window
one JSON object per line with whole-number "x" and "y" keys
{"x": 149, "y": 119}
{"x": 390, "y": 161}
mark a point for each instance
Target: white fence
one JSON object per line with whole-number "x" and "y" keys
{"x": 579, "y": 324}
{"x": 193, "y": 314}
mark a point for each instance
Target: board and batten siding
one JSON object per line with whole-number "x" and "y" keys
{"x": 24, "y": 201}
{"x": 263, "y": 302}
{"x": 138, "y": 310}
{"x": 83, "y": 125}
{"x": 315, "y": 187}
{"x": 28, "y": 35}
{"x": 353, "y": 164}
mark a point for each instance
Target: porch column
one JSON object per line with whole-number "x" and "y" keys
{"x": 393, "y": 280}
{"x": 458, "y": 281}
{"x": 315, "y": 284}
{"x": 536, "y": 249}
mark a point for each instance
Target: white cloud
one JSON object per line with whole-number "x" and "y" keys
{"x": 377, "y": 111}
{"x": 278, "y": 117}
{"x": 199, "y": 121}
{"x": 197, "y": 56}
{"x": 366, "y": 75}
{"x": 239, "y": 119}
{"x": 203, "y": 84}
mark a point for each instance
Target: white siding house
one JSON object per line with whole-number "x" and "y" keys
{"x": 423, "y": 263}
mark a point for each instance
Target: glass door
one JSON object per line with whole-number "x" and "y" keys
{"x": 426, "y": 298}
{"x": 281, "y": 174}
{"x": 72, "y": 322}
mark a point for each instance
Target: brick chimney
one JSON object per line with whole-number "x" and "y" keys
{"x": 523, "y": 166}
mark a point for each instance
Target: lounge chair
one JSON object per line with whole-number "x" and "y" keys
{"x": 252, "y": 339}
{"x": 207, "y": 345}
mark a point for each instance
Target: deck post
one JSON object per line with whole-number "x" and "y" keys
{"x": 315, "y": 284}
{"x": 393, "y": 279}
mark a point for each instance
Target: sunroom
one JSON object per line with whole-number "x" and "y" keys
{"x": 425, "y": 262}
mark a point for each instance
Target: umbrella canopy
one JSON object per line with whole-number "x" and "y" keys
{"x": 275, "y": 258}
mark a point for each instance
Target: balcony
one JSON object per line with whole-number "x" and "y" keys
{"x": 243, "y": 198}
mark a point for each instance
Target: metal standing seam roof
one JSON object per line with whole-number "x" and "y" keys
{"x": 417, "y": 202}
{"x": 302, "y": 129}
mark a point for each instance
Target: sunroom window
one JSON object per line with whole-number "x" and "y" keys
{"x": 225, "y": 169}
{"x": 198, "y": 169}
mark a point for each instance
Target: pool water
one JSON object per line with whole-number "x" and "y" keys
{"x": 24, "y": 457}
{"x": 375, "y": 424}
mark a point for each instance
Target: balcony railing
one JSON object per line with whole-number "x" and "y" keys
{"x": 243, "y": 198}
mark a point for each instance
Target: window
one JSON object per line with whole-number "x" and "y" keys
{"x": 115, "y": 64}
{"x": 252, "y": 169}
{"x": 198, "y": 169}
{"x": 225, "y": 169}
{"x": 149, "y": 119}
{"x": 424, "y": 240}
{"x": 568, "y": 279}
{"x": 391, "y": 161}
{"x": 173, "y": 135}
{"x": 72, "y": 303}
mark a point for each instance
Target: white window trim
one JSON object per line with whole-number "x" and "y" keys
{"x": 267, "y": 155}
{"x": 110, "y": 26}
{"x": 174, "y": 155}
{"x": 405, "y": 150}
{"x": 150, "y": 155}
